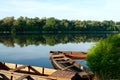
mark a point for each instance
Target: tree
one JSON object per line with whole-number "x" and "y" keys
{"x": 19, "y": 24}
{"x": 118, "y": 26}
{"x": 31, "y": 24}
{"x": 77, "y": 25}
{"x": 65, "y": 24}
{"x": 50, "y": 24}
{"x": 6, "y": 23}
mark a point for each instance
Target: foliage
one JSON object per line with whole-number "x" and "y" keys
{"x": 104, "y": 58}
{"x": 25, "y": 24}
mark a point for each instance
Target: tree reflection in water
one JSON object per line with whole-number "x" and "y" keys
{"x": 48, "y": 39}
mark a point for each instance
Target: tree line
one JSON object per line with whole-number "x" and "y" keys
{"x": 25, "y": 24}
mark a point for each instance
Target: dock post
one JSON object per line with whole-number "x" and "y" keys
{"x": 43, "y": 70}
{"x": 29, "y": 68}
{"x": 11, "y": 78}
{"x": 15, "y": 65}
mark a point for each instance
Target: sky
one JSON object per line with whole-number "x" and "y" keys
{"x": 62, "y": 9}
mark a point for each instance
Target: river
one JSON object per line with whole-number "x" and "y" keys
{"x": 33, "y": 49}
{"x": 38, "y": 55}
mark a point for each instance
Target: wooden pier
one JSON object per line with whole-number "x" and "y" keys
{"x": 10, "y": 71}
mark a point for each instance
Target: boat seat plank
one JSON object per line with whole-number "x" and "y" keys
{"x": 63, "y": 62}
{"x": 59, "y": 59}
{"x": 67, "y": 67}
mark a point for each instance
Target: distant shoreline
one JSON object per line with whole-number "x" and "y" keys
{"x": 53, "y": 25}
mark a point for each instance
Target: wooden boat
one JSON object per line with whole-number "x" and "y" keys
{"x": 71, "y": 54}
{"x": 60, "y": 61}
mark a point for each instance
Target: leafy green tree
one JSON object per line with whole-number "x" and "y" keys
{"x": 41, "y": 23}
{"x": 50, "y": 24}
{"x": 6, "y": 23}
{"x": 118, "y": 26}
{"x": 77, "y": 25}
{"x": 65, "y": 24}
{"x": 31, "y": 24}
{"x": 107, "y": 24}
{"x": 19, "y": 24}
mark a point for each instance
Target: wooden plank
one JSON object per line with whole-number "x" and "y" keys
{"x": 84, "y": 75}
{"x": 3, "y": 66}
{"x": 59, "y": 59}
{"x": 25, "y": 76}
{"x": 16, "y": 75}
{"x": 58, "y": 55}
{"x": 67, "y": 67}
{"x": 63, "y": 62}
{"x": 19, "y": 68}
{"x": 34, "y": 70}
{"x": 63, "y": 74}
{"x": 3, "y": 77}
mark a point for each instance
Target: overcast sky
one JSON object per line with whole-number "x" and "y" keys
{"x": 62, "y": 9}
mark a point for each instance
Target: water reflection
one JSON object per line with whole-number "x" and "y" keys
{"x": 48, "y": 39}
{"x": 37, "y": 55}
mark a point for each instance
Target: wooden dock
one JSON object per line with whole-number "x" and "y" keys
{"x": 8, "y": 75}
{"x": 10, "y": 71}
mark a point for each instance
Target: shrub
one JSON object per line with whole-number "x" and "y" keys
{"x": 104, "y": 57}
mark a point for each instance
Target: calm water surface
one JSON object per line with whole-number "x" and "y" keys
{"x": 38, "y": 55}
